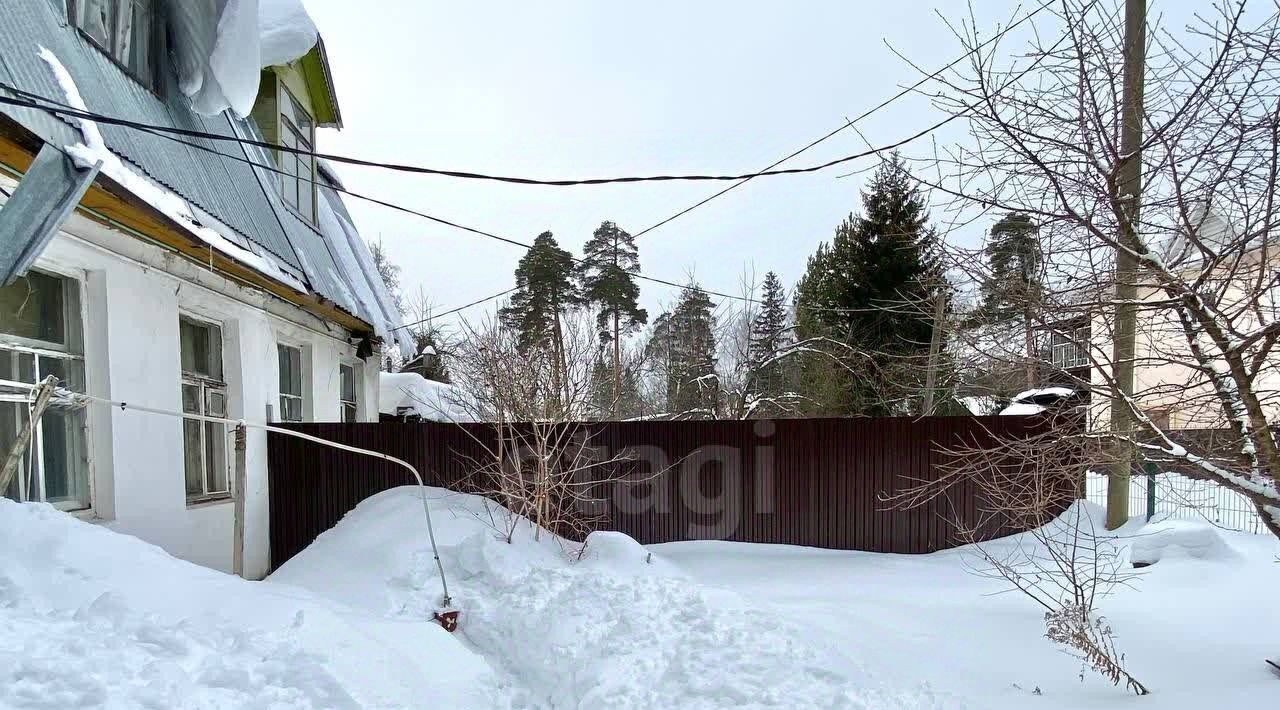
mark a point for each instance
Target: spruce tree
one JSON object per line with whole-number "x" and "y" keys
{"x": 545, "y": 289}
{"x": 768, "y": 338}
{"x": 607, "y": 274}
{"x": 868, "y": 289}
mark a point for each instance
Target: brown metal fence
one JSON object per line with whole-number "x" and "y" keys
{"x": 815, "y": 482}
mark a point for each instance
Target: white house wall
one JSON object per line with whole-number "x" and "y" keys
{"x": 132, "y": 295}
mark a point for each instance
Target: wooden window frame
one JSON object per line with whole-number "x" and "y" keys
{"x": 155, "y": 40}
{"x": 291, "y": 135}
{"x": 301, "y": 396}
{"x": 352, "y": 404}
{"x": 41, "y": 351}
{"x": 207, "y": 387}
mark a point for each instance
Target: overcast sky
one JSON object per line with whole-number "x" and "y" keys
{"x": 587, "y": 89}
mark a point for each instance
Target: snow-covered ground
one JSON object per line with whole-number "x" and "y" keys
{"x": 93, "y": 618}
{"x": 89, "y": 617}
{"x": 1195, "y": 626}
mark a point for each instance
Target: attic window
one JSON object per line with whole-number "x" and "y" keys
{"x": 297, "y": 181}
{"x": 124, "y": 29}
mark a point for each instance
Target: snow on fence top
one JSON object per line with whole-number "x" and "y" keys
{"x": 411, "y": 394}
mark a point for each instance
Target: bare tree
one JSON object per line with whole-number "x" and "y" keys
{"x": 537, "y": 462}
{"x": 1045, "y": 141}
{"x": 1066, "y": 562}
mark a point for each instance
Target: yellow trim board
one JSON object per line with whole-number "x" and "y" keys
{"x": 108, "y": 200}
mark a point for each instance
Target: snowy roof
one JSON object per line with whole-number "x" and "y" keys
{"x": 411, "y": 394}
{"x": 231, "y": 202}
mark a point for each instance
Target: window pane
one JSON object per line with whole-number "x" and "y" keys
{"x": 201, "y": 348}
{"x": 306, "y": 193}
{"x": 27, "y": 367}
{"x": 191, "y": 399}
{"x": 215, "y": 453}
{"x": 192, "y": 449}
{"x": 347, "y": 375}
{"x": 216, "y": 403}
{"x": 290, "y": 408}
{"x": 66, "y": 476}
{"x": 12, "y": 417}
{"x": 194, "y": 346}
{"x": 349, "y": 413}
{"x": 32, "y": 307}
{"x": 136, "y": 44}
{"x": 96, "y": 18}
{"x": 290, "y": 370}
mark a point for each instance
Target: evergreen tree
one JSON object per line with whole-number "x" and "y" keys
{"x": 867, "y": 289}
{"x": 389, "y": 272}
{"x": 1013, "y": 257}
{"x": 607, "y": 275}
{"x": 1013, "y": 289}
{"x": 768, "y": 338}
{"x": 683, "y": 346}
{"x": 545, "y": 289}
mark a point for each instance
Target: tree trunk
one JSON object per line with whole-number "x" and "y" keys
{"x": 617, "y": 368}
{"x": 1126, "y": 290}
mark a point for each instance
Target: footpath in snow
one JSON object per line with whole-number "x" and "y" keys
{"x": 621, "y": 628}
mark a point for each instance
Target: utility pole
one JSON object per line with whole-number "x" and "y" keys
{"x": 935, "y": 347}
{"x": 1126, "y": 288}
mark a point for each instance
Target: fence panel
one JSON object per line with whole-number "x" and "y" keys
{"x": 814, "y": 482}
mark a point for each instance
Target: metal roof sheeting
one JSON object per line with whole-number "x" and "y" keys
{"x": 240, "y": 196}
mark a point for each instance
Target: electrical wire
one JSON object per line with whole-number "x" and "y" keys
{"x": 172, "y": 133}
{"x": 848, "y": 123}
{"x": 54, "y": 106}
{"x": 463, "y": 174}
{"x": 31, "y": 102}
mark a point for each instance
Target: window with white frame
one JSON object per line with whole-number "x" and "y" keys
{"x": 40, "y": 335}
{"x": 1067, "y": 348}
{"x": 291, "y": 399}
{"x": 124, "y": 29}
{"x": 204, "y": 392}
{"x": 349, "y": 387}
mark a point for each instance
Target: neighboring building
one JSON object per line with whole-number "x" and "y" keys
{"x": 186, "y": 279}
{"x": 1176, "y": 396}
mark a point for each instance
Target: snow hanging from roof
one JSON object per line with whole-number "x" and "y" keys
{"x": 221, "y": 47}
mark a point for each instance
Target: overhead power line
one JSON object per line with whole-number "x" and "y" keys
{"x": 53, "y": 106}
{"x": 172, "y": 133}
{"x": 31, "y": 102}
{"x": 848, "y": 123}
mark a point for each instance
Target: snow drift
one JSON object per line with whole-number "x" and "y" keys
{"x": 93, "y": 618}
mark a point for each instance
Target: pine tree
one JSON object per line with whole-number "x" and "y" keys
{"x": 866, "y": 289}
{"x": 1013, "y": 287}
{"x": 1014, "y": 264}
{"x": 768, "y": 338}
{"x": 545, "y": 289}
{"x": 683, "y": 346}
{"x": 607, "y": 275}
